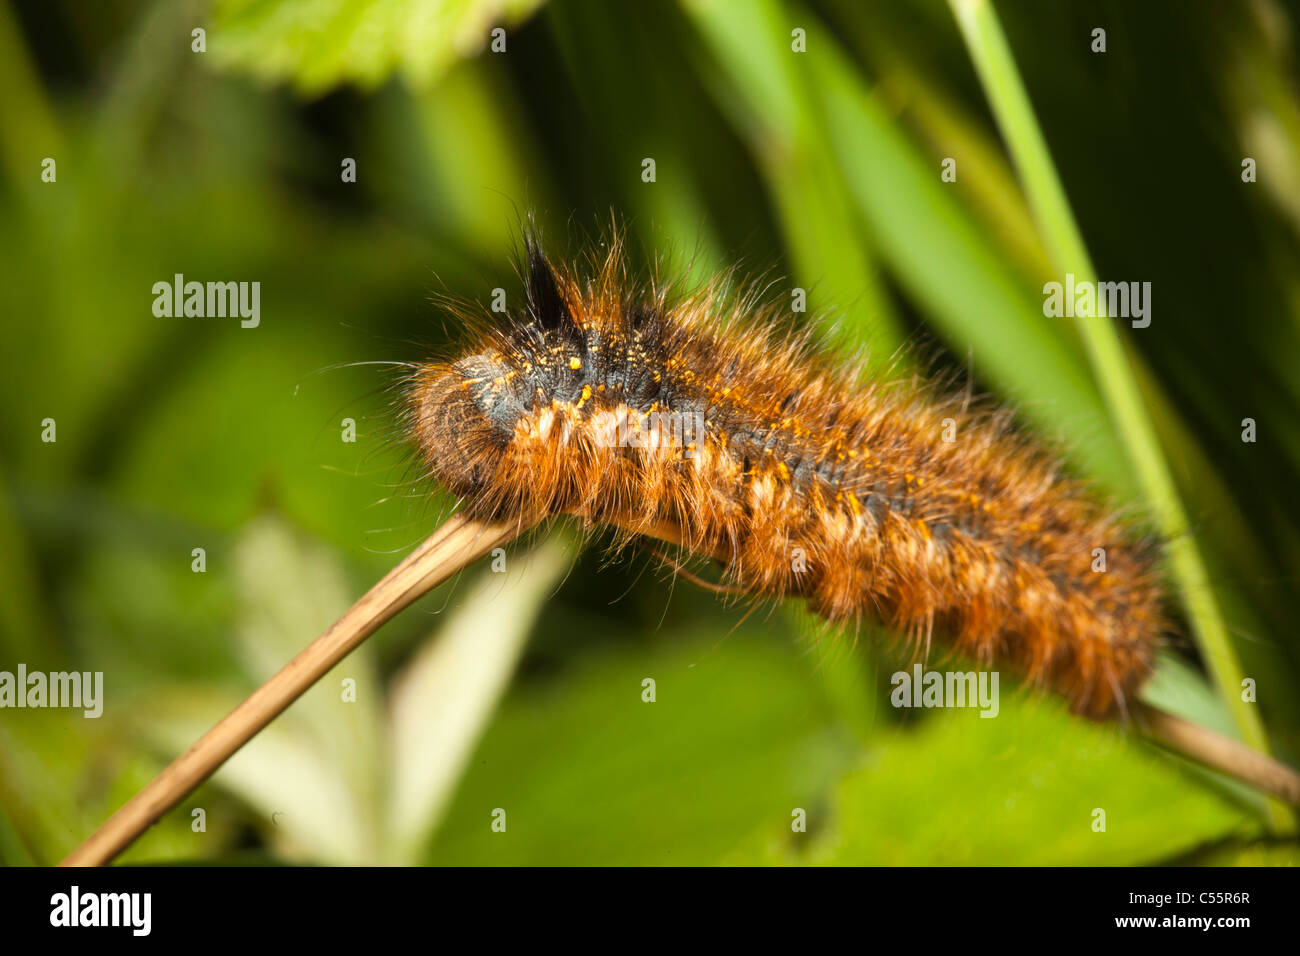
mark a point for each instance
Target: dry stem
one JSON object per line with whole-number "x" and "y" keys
{"x": 450, "y": 548}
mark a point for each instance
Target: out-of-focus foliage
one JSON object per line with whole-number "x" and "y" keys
{"x": 818, "y": 169}
{"x": 317, "y": 44}
{"x": 354, "y": 784}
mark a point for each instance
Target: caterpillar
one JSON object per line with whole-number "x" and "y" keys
{"x": 643, "y": 407}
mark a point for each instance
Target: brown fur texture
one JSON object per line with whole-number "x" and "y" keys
{"x": 881, "y": 502}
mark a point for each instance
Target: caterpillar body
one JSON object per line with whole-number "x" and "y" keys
{"x": 891, "y": 502}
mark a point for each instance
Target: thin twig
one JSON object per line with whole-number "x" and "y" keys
{"x": 455, "y": 544}
{"x": 1219, "y": 753}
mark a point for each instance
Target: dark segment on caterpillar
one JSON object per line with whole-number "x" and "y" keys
{"x": 804, "y": 481}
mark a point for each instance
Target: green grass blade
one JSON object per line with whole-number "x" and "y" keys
{"x": 1010, "y": 103}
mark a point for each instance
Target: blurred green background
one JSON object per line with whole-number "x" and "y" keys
{"x": 522, "y": 692}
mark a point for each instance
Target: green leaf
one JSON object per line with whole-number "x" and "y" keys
{"x": 12, "y": 850}
{"x": 62, "y": 774}
{"x": 314, "y": 772}
{"x": 447, "y": 693}
{"x": 306, "y": 806}
{"x": 773, "y": 105}
{"x": 589, "y": 773}
{"x": 318, "y": 44}
{"x": 1020, "y": 789}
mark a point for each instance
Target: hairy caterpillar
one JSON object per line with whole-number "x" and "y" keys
{"x": 800, "y": 479}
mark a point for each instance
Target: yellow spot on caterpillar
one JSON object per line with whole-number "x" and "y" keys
{"x": 575, "y": 363}
{"x": 586, "y": 394}
{"x": 785, "y": 472}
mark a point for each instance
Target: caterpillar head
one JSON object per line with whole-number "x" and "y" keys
{"x": 468, "y": 412}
